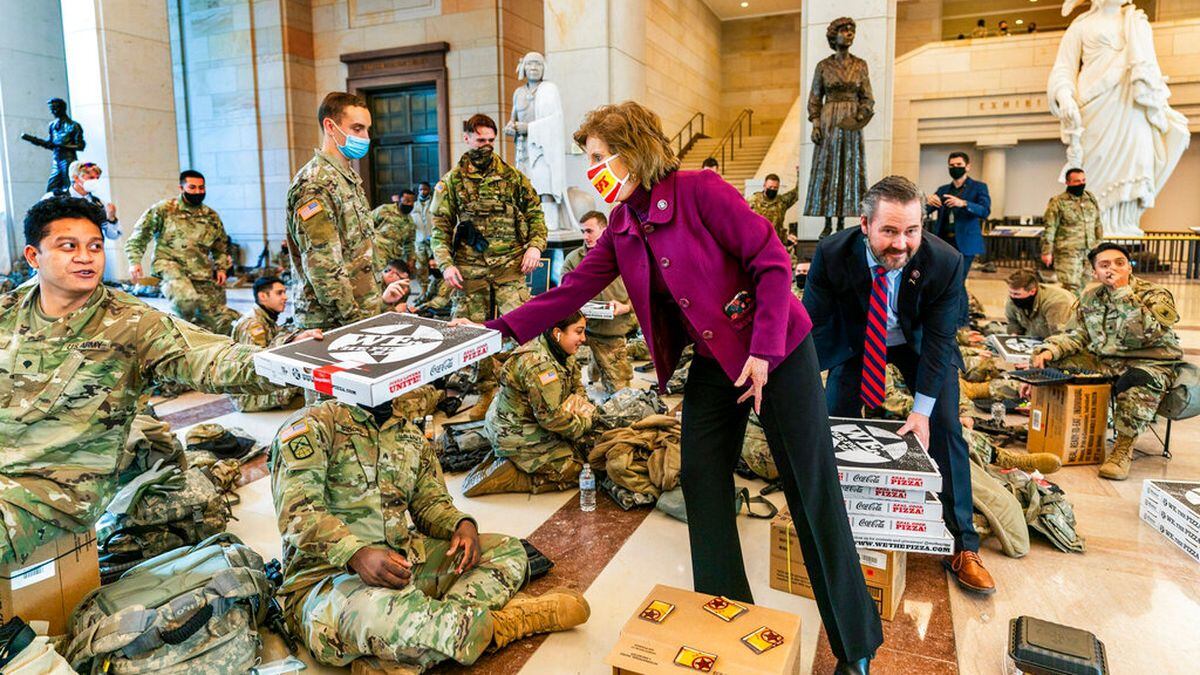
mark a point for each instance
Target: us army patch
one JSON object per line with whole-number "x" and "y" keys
{"x": 93, "y": 345}
{"x": 547, "y": 377}
{"x": 440, "y": 187}
{"x": 301, "y": 448}
{"x": 309, "y": 209}
{"x": 293, "y": 431}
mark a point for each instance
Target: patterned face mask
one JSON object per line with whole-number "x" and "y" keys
{"x": 605, "y": 180}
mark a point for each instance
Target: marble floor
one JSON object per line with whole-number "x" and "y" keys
{"x": 1132, "y": 588}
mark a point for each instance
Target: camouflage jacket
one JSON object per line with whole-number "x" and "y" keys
{"x": 330, "y": 235}
{"x": 616, "y": 327}
{"x": 1050, "y": 314}
{"x": 340, "y": 482}
{"x": 69, "y": 393}
{"x": 257, "y": 328}
{"x": 529, "y": 405}
{"x": 1072, "y": 223}
{"x": 395, "y": 235}
{"x": 423, "y": 218}
{"x": 1133, "y": 321}
{"x": 189, "y": 241}
{"x": 775, "y": 209}
{"x": 503, "y": 206}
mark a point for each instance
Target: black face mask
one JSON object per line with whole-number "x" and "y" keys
{"x": 770, "y": 193}
{"x": 406, "y": 208}
{"x": 480, "y": 157}
{"x": 1025, "y": 303}
{"x": 193, "y": 198}
{"x": 957, "y": 172}
{"x": 381, "y": 412}
{"x": 1077, "y": 190}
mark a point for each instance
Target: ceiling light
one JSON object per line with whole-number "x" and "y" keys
{"x": 1019, "y": 21}
{"x": 745, "y": 5}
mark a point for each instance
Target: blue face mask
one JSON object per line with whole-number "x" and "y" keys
{"x": 356, "y": 147}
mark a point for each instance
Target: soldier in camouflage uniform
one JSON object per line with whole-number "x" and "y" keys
{"x": 488, "y": 233}
{"x": 610, "y": 364}
{"x": 424, "y": 221}
{"x": 359, "y": 582}
{"x": 1072, "y": 229}
{"x": 395, "y": 230}
{"x": 191, "y": 255}
{"x": 541, "y": 421}
{"x": 1123, "y": 329}
{"x": 773, "y": 206}
{"x": 75, "y": 356}
{"x": 1036, "y": 310}
{"x": 260, "y": 327}
{"x": 329, "y": 227}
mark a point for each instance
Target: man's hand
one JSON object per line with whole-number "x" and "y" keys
{"x": 955, "y": 202}
{"x": 135, "y": 273}
{"x": 1025, "y": 390}
{"x": 934, "y": 201}
{"x": 309, "y": 334}
{"x": 453, "y": 277}
{"x": 755, "y": 371}
{"x": 396, "y": 292}
{"x": 465, "y": 538}
{"x": 1039, "y": 359}
{"x": 919, "y": 425}
{"x": 110, "y": 211}
{"x": 1048, "y": 259}
{"x": 976, "y": 338}
{"x": 967, "y": 421}
{"x": 620, "y": 308}
{"x": 221, "y": 277}
{"x": 579, "y": 405}
{"x": 382, "y": 567}
{"x": 529, "y": 263}
{"x": 463, "y": 321}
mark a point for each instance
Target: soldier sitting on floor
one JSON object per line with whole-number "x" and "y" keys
{"x": 540, "y": 421}
{"x": 260, "y": 327}
{"x": 359, "y": 583}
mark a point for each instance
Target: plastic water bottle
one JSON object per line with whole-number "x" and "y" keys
{"x": 587, "y": 489}
{"x": 998, "y": 413}
{"x": 427, "y": 427}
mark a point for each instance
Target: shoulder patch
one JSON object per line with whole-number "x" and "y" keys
{"x": 548, "y": 377}
{"x": 440, "y": 187}
{"x": 310, "y": 208}
{"x": 300, "y": 448}
{"x": 288, "y": 433}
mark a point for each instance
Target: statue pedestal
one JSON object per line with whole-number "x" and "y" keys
{"x": 558, "y": 244}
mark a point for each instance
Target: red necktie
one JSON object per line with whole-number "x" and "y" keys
{"x": 875, "y": 350}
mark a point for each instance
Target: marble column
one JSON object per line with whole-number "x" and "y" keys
{"x": 995, "y": 166}
{"x": 121, "y": 89}
{"x": 875, "y": 42}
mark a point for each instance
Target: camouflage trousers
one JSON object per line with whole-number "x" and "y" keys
{"x": 483, "y": 298}
{"x": 981, "y": 364}
{"x": 555, "y": 461}
{"x": 637, "y": 349}
{"x": 440, "y": 615}
{"x": 610, "y": 364}
{"x": 280, "y": 400}
{"x": 1072, "y": 269}
{"x": 201, "y": 302}
{"x": 436, "y": 295}
{"x": 424, "y": 251}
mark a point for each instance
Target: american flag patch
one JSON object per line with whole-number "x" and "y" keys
{"x": 547, "y": 377}
{"x": 288, "y": 433}
{"x": 310, "y": 209}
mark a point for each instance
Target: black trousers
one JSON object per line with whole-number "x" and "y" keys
{"x": 947, "y": 446}
{"x": 797, "y": 428}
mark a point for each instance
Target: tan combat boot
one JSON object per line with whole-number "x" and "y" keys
{"x": 494, "y": 475}
{"x": 976, "y": 391}
{"x": 524, "y": 615}
{"x": 479, "y": 410}
{"x": 1116, "y": 467}
{"x": 1028, "y": 462}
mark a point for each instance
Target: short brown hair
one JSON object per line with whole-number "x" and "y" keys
{"x": 895, "y": 189}
{"x": 594, "y": 215}
{"x": 479, "y": 120}
{"x": 635, "y": 133}
{"x": 335, "y": 103}
{"x": 1024, "y": 280}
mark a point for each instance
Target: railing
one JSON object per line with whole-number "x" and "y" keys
{"x": 732, "y": 141}
{"x": 1173, "y": 253}
{"x": 687, "y": 136}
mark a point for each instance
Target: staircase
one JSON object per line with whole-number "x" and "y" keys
{"x": 743, "y": 166}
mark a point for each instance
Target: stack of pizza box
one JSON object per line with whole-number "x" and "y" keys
{"x": 890, "y": 485}
{"x": 1173, "y": 508}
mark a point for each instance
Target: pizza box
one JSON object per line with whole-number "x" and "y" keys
{"x": 870, "y": 453}
{"x": 943, "y": 545}
{"x": 908, "y": 528}
{"x": 930, "y": 509}
{"x": 1016, "y": 349}
{"x": 597, "y": 310}
{"x": 1162, "y": 519}
{"x": 372, "y": 361}
{"x": 671, "y": 632}
{"x": 884, "y": 493}
{"x": 1182, "y": 496}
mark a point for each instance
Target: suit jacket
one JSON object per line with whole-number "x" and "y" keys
{"x": 968, "y": 232}
{"x": 709, "y": 246}
{"x": 928, "y": 306}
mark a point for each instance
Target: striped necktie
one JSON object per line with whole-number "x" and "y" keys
{"x": 875, "y": 350}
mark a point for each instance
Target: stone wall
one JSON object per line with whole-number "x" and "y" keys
{"x": 683, "y": 63}
{"x": 760, "y": 69}
{"x": 918, "y": 22}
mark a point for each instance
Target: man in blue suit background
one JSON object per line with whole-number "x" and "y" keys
{"x": 961, "y": 206}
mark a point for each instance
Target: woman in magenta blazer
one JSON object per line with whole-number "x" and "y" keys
{"x": 702, "y": 268}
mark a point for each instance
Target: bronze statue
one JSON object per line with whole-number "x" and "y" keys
{"x": 839, "y": 106}
{"x": 65, "y": 139}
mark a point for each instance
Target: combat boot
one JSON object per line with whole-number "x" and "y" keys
{"x": 1028, "y": 462}
{"x": 1116, "y": 467}
{"x": 976, "y": 391}
{"x": 494, "y": 475}
{"x": 479, "y": 410}
{"x": 524, "y": 615}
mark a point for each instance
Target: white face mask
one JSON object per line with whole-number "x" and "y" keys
{"x": 91, "y": 185}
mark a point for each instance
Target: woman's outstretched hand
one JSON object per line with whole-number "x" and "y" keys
{"x": 755, "y": 371}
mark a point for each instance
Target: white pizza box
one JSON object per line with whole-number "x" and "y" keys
{"x": 1162, "y": 521}
{"x": 907, "y": 528}
{"x": 883, "y": 493}
{"x": 930, "y": 509}
{"x": 373, "y": 361}
{"x": 597, "y": 310}
{"x": 1182, "y": 496}
{"x": 1015, "y": 349}
{"x": 943, "y": 545}
{"x": 1168, "y": 512}
{"x": 871, "y": 453}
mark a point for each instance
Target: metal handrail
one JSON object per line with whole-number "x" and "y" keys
{"x": 739, "y": 130}
{"x": 681, "y": 143}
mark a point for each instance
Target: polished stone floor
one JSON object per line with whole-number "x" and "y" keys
{"x": 1138, "y": 593}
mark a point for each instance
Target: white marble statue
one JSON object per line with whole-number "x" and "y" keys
{"x": 537, "y": 130}
{"x": 1111, "y": 101}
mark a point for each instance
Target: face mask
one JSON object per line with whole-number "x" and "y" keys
{"x": 193, "y": 198}
{"x": 91, "y": 185}
{"x": 1077, "y": 190}
{"x": 771, "y": 193}
{"x": 1025, "y": 303}
{"x": 406, "y": 208}
{"x": 605, "y": 180}
{"x": 480, "y": 157}
{"x": 422, "y": 198}
{"x": 957, "y": 172}
{"x": 356, "y": 147}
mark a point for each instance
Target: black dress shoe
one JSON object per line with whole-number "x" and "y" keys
{"x": 859, "y": 667}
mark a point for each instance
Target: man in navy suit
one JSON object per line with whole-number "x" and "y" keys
{"x": 890, "y": 293}
{"x": 961, "y": 206}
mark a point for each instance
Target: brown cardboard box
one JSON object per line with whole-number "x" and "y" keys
{"x": 1069, "y": 420}
{"x": 49, "y": 585}
{"x": 648, "y": 648}
{"x": 884, "y": 571}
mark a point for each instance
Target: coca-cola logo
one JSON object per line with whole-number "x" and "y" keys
{"x": 875, "y": 523}
{"x": 866, "y": 478}
{"x": 868, "y": 506}
{"x": 442, "y": 367}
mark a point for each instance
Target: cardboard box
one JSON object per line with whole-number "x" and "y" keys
{"x": 377, "y": 359}
{"x": 1069, "y": 420}
{"x": 885, "y": 572}
{"x": 51, "y": 582}
{"x": 649, "y": 648}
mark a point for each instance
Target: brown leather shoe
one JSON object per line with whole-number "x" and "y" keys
{"x": 968, "y": 570}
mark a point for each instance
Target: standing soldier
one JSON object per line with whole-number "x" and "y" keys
{"x": 260, "y": 327}
{"x": 191, "y": 254}
{"x": 424, "y": 222}
{"x": 1072, "y": 229}
{"x": 329, "y": 226}
{"x": 395, "y": 230}
{"x": 773, "y": 206}
{"x": 488, "y": 233}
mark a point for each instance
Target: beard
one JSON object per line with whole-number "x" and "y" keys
{"x": 892, "y": 258}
